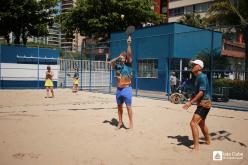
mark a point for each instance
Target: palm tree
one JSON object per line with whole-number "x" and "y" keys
{"x": 193, "y": 19}
{"x": 232, "y": 13}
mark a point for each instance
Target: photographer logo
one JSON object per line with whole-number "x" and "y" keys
{"x": 217, "y": 155}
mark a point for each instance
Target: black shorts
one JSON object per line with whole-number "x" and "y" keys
{"x": 203, "y": 112}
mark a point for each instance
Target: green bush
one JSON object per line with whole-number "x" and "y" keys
{"x": 238, "y": 88}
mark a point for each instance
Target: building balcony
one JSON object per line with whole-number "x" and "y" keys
{"x": 233, "y": 49}
{"x": 67, "y": 6}
{"x": 62, "y": 42}
{"x": 66, "y": 2}
{"x": 183, "y": 3}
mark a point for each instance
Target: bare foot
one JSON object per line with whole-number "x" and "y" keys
{"x": 130, "y": 127}
{"x": 208, "y": 142}
{"x": 120, "y": 124}
{"x": 195, "y": 148}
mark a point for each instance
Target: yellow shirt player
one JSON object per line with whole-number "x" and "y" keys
{"x": 75, "y": 80}
{"x": 49, "y": 82}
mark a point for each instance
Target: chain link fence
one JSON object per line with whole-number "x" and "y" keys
{"x": 155, "y": 58}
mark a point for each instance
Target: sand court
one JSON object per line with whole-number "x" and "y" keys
{"x": 80, "y": 129}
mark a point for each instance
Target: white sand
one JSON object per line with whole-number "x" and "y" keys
{"x": 80, "y": 130}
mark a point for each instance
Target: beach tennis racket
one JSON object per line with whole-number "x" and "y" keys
{"x": 68, "y": 74}
{"x": 130, "y": 30}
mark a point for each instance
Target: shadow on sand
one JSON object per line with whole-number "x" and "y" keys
{"x": 114, "y": 122}
{"x": 219, "y": 135}
{"x": 183, "y": 140}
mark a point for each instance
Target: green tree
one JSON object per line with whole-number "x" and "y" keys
{"x": 5, "y": 21}
{"x": 193, "y": 19}
{"x": 219, "y": 62}
{"x": 26, "y": 18}
{"x": 101, "y": 17}
{"x": 232, "y": 13}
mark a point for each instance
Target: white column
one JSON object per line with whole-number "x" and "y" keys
{"x": 181, "y": 69}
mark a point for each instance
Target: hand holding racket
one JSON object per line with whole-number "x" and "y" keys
{"x": 129, "y": 32}
{"x": 129, "y": 39}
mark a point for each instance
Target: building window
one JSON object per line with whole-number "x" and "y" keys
{"x": 203, "y": 7}
{"x": 177, "y": 11}
{"x": 189, "y": 9}
{"x": 148, "y": 68}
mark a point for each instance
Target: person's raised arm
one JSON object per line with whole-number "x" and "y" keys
{"x": 129, "y": 51}
{"x": 113, "y": 62}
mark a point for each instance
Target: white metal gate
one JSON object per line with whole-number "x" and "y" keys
{"x": 93, "y": 74}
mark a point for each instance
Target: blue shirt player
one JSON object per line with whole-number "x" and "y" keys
{"x": 123, "y": 68}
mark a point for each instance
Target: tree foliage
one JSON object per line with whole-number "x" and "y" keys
{"x": 219, "y": 62}
{"x": 229, "y": 12}
{"x": 26, "y": 18}
{"x": 101, "y": 17}
{"x": 232, "y": 13}
{"x": 193, "y": 19}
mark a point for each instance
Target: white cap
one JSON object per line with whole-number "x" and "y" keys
{"x": 198, "y": 62}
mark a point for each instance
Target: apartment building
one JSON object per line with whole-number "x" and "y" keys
{"x": 174, "y": 9}
{"x": 70, "y": 44}
{"x": 54, "y": 35}
{"x": 66, "y": 43}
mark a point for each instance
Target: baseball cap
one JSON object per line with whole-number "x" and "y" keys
{"x": 198, "y": 62}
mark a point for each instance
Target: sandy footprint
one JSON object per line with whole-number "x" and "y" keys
{"x": 33, "y": 156}
{"x": 18, "y": 155}
{"x": 23, "y": 155}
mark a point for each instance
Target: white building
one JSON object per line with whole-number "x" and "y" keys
{"x": 178, "y": 8}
